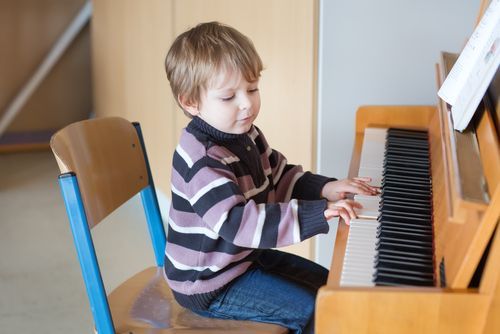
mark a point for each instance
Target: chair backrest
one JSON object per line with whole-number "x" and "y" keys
{"x": 107, "y": 157}
{"x": 103, "y": 163}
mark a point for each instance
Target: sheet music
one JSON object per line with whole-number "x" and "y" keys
{"x": 469, "y": 78}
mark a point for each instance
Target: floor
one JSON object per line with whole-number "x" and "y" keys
{"x": 41, "y": 287}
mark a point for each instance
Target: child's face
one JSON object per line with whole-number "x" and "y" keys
{"x": 231, "y": 104}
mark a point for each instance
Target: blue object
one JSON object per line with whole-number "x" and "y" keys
{"x": 86, "y": 253}
{"x": 275, "y": 276}
{"x": 85, "y": 248}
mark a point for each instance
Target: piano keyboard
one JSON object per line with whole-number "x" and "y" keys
{"x": 390, "y": 243}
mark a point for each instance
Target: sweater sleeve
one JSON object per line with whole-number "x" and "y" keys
{"x": 214, "y": 195}
{"x": 309, "y": 186}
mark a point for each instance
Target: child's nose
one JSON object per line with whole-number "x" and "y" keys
{"x": 245, "y": 103}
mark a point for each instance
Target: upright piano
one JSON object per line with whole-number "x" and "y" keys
{"x": 424, "y": 256}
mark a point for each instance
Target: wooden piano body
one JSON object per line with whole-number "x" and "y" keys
{"x": 466, "y": 296}
{"x": 462, "y": 231}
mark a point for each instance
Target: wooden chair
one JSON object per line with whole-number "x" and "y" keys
{"x": 103, "y": 163}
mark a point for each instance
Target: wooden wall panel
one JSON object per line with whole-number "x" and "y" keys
{"x": 28, "y": 30}
{"x": 130, "y": 41}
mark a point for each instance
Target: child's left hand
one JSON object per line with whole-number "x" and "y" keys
{"x": 336, "y": 190}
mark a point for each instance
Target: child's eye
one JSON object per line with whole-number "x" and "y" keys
{"x": 253, "y": 90}
{"x": 229, "y": 98}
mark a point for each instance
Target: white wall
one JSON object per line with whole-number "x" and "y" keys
{"x": 378, "y": 52}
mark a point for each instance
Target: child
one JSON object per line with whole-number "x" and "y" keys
{"x": 234, "y": 198}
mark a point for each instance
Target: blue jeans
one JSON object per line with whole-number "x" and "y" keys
{"x": 279, "y": 288}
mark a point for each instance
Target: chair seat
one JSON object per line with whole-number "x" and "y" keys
{"x": 145, "y": 304}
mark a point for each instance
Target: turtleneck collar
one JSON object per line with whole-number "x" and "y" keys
{"x": 200, "y": 125}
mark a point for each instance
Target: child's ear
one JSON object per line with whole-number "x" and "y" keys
{"x": 188, "y": 106}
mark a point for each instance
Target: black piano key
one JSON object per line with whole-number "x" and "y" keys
{"x": 415, "y": 201}
{"x": 399, "y": 146}
{"x": 406, "y": 164}
{"x": 426, "y": 261}
{"x": 413, "y": 160}
{"x": 405, "y": 265}
{"x": 391, "y": 166}
{"x": 391, "y": 138}
{"x": 413, "y": 272}
{"x": 417, "y": 246}
{"x": 386, "y": 207}
{"x": 399, "y": 244}
{"x": 407, "y": 236}
{"x": 405, "y": 216}
{"x": 404, "y": 153}
{"x": 412, "y": 249}
{"x": 401, "y": 142}
{"x": 400, "y": 136}
{"x": 392, "y": 189}
{"x": 401, "y": 280}
{"x": 405, "y": 229}
{"x": 391, "y": 148}
{"x": 407, "y": 143}
{"x": 424, "y": 174}
{"x": 393, "y": 155}
{"x": 414, "y": 227}
{"x": 404, "y": 171}
{"x": 385, "y": 278}
{"x": 394, "y": 192}
{"x": 408, "y": 179}
{"x": 408, "y": 224}
{"x": 405, "y": 203}
{"x": 409, "y": 255}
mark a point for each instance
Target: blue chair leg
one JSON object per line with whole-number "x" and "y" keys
{"x": 86, "y": 254}
{"x": 155, "y": 223}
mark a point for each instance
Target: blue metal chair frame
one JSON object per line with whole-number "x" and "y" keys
{"x": 85, "y": 247}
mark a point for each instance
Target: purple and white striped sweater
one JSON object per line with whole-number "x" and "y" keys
{"x": 231, "y": 196}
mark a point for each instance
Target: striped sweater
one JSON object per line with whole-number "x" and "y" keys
{"x": 231, "y": 196}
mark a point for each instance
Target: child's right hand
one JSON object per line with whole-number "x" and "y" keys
{"x": 343, "y": 208}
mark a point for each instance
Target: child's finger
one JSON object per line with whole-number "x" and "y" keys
{"x": 365, "y": 188}
{"x": 357, "y": 204}
{"x": 330, "y": 213}
{"x": 338, "y": 211}
{"x": 345, "y": 216}
{"x": 355, "y": 187}
{"x": 347, "y": 206}
{"x": 363, "y": 178}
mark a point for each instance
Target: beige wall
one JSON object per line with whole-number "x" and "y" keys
{"x": 130, "y": 41}
{"x": 28, "y": 29}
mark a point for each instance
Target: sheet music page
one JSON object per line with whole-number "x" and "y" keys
{"x": 469, "y": 78}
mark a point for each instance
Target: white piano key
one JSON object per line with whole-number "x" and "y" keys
{"x": 372, "y": 160}
{"x": 358, "y": 266}
{"x": 364, "y": 213}
{"x": 368, "y": 202}
{"x": 370, "y": 207}
{"x": 374, "y": 173}
{"x": 372, "y": 155}
{"x": 373, "y": 148}
{"x": 360, "y": 252}
{"x": 375, "y": 134}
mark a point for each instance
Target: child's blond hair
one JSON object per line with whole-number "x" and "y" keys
{"x": 199, "y": 54}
